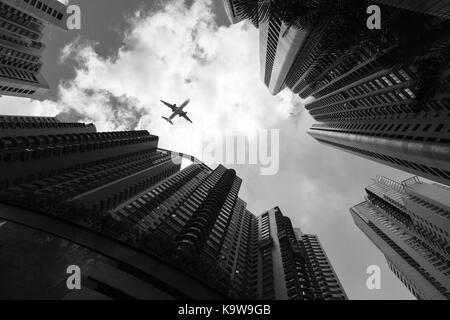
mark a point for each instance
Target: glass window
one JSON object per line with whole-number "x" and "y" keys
{"x": 386, "y": 80}
{"x": 395, "y": 78}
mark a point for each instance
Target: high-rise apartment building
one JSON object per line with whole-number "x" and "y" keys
{"x": 386, "y": 101}
{"x": 59, "y": 182}
{"x": 282, "y": 264}
{"x": 409, "y": 222}
{"x": 138, "y": 227}
{"x": 293, "y": 265}
{"x": 278, "y": 44}
{"x": 52, "y": 12}
{"x": 370, "y": 104}
{"x": 22, "y": 24}
{"x": 324, "y": 281}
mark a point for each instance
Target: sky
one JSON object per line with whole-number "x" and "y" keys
{"x": 130, "y": 54}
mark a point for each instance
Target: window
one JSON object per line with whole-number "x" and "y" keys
{"x": 380, "y": 84}
{"x": 438, "y": 128}
{"x": 395, "y": 78}
{"x": 410, "y": 93}
{"x": 386, "y": 80}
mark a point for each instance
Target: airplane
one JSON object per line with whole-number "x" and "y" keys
{"x": 177, "y": 111}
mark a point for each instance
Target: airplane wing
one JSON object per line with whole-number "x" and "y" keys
{"x": 171, "y": 106}
{"x": 186, "y": 117}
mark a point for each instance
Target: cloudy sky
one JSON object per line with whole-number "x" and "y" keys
{"x": 130, "y": 54}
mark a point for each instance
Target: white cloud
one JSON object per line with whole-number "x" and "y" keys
{"x": 173, "y": 54}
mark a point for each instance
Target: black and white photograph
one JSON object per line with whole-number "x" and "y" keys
{"x": 224, "y": 154}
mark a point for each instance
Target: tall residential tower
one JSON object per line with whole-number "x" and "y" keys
{"x": 119, "y": 208}
{"x": 22, "y": 24}
{"x": 410, "y": 223}
{"x": 297, "y": 258}
{"x": 382, "y": 95}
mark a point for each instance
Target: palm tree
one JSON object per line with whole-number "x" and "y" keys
{"x": 432, "y": 61}
{"x": 298, "y": 13}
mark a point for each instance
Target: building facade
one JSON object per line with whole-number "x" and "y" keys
{"x": 378, "y": 103}
{"x": 324, "y": 281}
{"x": 409, "y": 223}
{"x": 282, "y": 264}
{"x": 293, "y": 265}
{"x": 370, "y": 105}
{"x": 61, "y": 186}
{"x": 382, "y": 96}
{"x": 22, "y": 24}
{"x": 278, "y": 47}
{"x": 138, "y": 227}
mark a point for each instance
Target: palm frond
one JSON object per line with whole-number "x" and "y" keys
{"x": 300, "y": 14}
{"x": 248, "y": 9}
{"x": 265, "y": 10}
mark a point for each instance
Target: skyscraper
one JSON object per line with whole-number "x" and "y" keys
{"x": 377, "y": 102}
{"x": 22, "y": 25}
{"x": 373, "y": 105}
{"x": 324, "y": 281}
{"x": 281, "y": 259}
{"x": 409, "y": 223}
{"x": 293, "y": 265}
{"x": 384, "y": 98}
{"x": 138, "y": 227}
{"x": 278, "y": 44}
{"x": 59, "y": 182}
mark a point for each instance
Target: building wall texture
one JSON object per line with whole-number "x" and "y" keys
{"x": 121, "y": 209}
{"x": 22, "y": 25}
{"x": 408, "y": 222}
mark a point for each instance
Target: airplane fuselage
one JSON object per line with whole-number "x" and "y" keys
{"x": 184, "y": 104}
{"x": 177, "y": 111}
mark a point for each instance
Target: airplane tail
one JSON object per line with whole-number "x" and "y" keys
{"x": 168, "y": 120}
